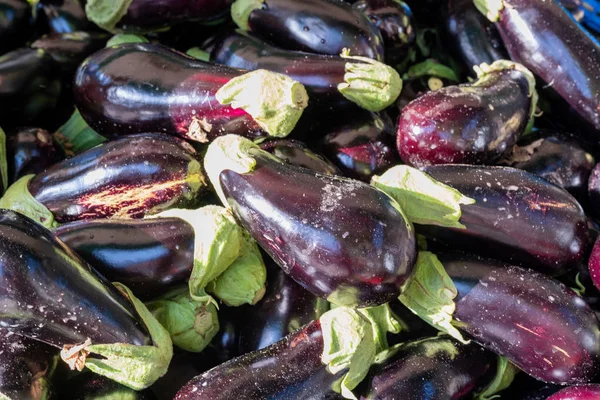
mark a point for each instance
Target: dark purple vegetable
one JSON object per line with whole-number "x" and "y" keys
{"x": 594, "y": 190}
{"x": 436, "y": 368}
{"x": 582, "y": 392}
{"x": 297, "y": 153}
{"x": 27, "y": 367}
{"x": 29, "y": 151}
{"x": 148, "y": 256}
{"x": 339, "y": 238}
{"x": 15, "y": 24}
{"x": 314, "y": 26}
{"x": 64, "y": 16}
{"x": 474, "y": 37}
{"x": 536, "y": 322}
{"x": 362, "y": 146}
{"x": 546, "y": 39}
{"x": 517, "y": 217}
{"x": 594, "y": 264}
{"x": 472, "y": 123}
{"x": 145, "y": 87}
{"x": 89, "y": 386}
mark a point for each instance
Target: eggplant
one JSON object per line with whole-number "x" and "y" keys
{"x": 594, "y": 264}
{"x": 297, "y": 153}
{"x": 548, "y": 41}
{"x": 339, "y": 238}
{"x": 361, "y": 146}
{"x": 143, "y": 87}
{"x": 88, "y": 386}
{"x": 15, "y": 24}
{"x": 594, "y": 190}
{"x": 517, "y": 217}
{"x": 472, "y": 123}
{"x": 474, "y": 37}
{"x": 435, "y": 368}
{"x": 29, "y": 151}
{"x": 130, "y": 177}
{"x": 148, "y": 15}
{"x": 64, "y": 16}
{"x": 27, "y": 368}
{"x": 148, "y": 256}
{"x": 313, "y": 26}
{"x": 582, "y": 392}
{"x": 29, "y": 88}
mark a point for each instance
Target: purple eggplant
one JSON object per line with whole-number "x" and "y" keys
{"x": 147, "y": 15}
{"x": 297, "y": 153}
{"x": 472, "y": 123}
{"x": 594, "y": 264}
{"x": 27, "y": 367}
{"x": 339, "y": 238}
{"x": 142, "y": 87}
{"x": 546, "y": 39}
{"x": 64, "y": 16}
{"x": 594, "y": 190}
{"x": 474, "y": 37}
{"x": 436, "y": 368}
{"x": 15, "y": 24}
{"x": 127, "y": 178}
{"x": 29, "y": 151}
{"x": 581, "y": 392}
{"x": 361, "y": 146}
{"x": 517, "y": 217}
{"x": 314, "y": 26}
{"x": 148, "y": 256}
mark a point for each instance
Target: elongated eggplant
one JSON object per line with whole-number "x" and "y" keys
{"x": 15, "y": 24}
{"x": 127, "y": 178}
{"x": 314, "y": 26}
{"x": 363, "y": 146}
{"x": 51, "y": 295}
{"x": 339, "y": 238}
{"x": 143, "y": 87}
{"x": 436, "y": 368}
{"x": 582, "y": 392}
{"x": 145, "y": 15}
{"x": 29, "y": 151}
{"x": 148, "y": 256}
{"x": 594, "y": 264}
{"x": 474, "y": 37}
{"x": 64, "y": 16}
{"x": 298, "y": 153}
{"x": 547, "y": 40}
{"x": 27, "y": 367}
{"x": 517, "y": 217}
{"x": 88, "y": 386}
{"x": 472, "y": 123}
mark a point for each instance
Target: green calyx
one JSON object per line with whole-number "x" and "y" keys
{"x": 136, "y": 367}
{"x": 430, "y": 295}
{"x": 191, "y": 324}
{"x": 490, "y": 8}
{"x": 106, "y": 13}
{"x": 241, "y": 10}
{"x": 198, "y": 54}
{"x": 505, "y": 373}
{"x": 243, "y": 282}
{"x": 18, "y": 198}
{"x": 76, "y": 136}
{"x": 217, "y": 244}
{"x": 424, "y": 200}
{"x": 369, "y": 83}
{"x": 3, "y": 163}
{"x": 275, "y": 101}
{"x": 431, "y": 67}
{"x": 123, "y": 38}
{"x": 229, "y": 152}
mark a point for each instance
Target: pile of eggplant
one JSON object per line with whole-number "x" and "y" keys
{"x": 299, "y": 200}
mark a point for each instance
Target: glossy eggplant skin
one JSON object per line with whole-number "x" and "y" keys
{"x": 65, "y": 16}
{"x": 15, "y": 24}
{"x": 148, "y": 256}
{"x": 474, "y": 37}
{"x": 582, "y": 392}
{"x": 436, "y": 368}
{"x": 339, "y": 238}
{"x": 29, "y": 88}
{"x": 517, "y": 217}
{"x": 143, "y": 87}
{"x": 129, "y": 177}
{"x": 290, "y": 369}
{"x": 285, "y": 308}
{"x": 539, "y": 324}
{"x": 594, "y": 190}
{"x": 26, "y": 367}
{"x": 89, "y": 386}
{"x": 316, "y": 26}
{"x": 547, "y": 40}
{"x": 362, "y": 146}
{"x": 469, "y": 124}
{"x": 29, "y": 151}
{"x": 297, "y": 153}
{"x": 53, "y": 296}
